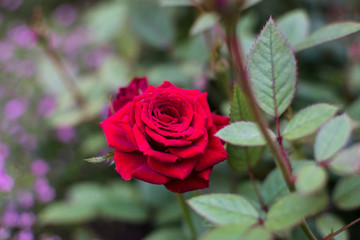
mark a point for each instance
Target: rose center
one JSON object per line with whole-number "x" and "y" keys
{"x": 167, "y": 114}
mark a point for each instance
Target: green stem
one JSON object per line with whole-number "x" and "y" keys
{"x": 187, "y": 216}
{"x": 306, "y": 229}
{"x": 242, "y": 77}
{"x": 253, "y": 182}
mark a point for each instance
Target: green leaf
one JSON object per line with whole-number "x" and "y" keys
{"x": 151, "y": 23}
{"x": 106, "y": 20}
{"x": 347, "y": 161}
{"x": 86, "y": 201}
{"x": 86, "y": 194}
{"x": 64, "y": 213}
{"x": 310, "y": 178}
{"x": 274, "y": 187}
{"x": 332, "y": 137}
{"x": 250, "y": 3}
{"x": 166, "y": 234}
{"x": 327, "y": 223}
{"x": 311, "y": 92}
{"x": 167, "y": 213}
{"x": 257, "y": 233}
{"x": 175, "y": 3}
{"x": 192, "y": 49}
{"x": 354, "y": 109}
{"x": 295, "y": 26}
{"x": 308, "y": 120}
{"x": 187, "y": 3}
{"x": 328, "y": 33}
{"x": 243, "y": 134}
{"x": 122, "y": 202}
{"x": 240, "y": 156}
{"x": 115, "y": 73}
{"x": 225, "y": 209}
{"x": 292, "y": 209}
{"x": 240, "y": 110}
{"x": 346, "y": 194}
{"x": 204, "y": 22}
{"x": 236, "y": 232}
{"x": 246, "y": 189}
{"x": 125, "y": 211}
{"x": 228, "y": 232}
{"x": 271, "y": 66}
{"x": 180, "y": 75}
{"x": 106, "y": 158}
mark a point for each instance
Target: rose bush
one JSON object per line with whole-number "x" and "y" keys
{"x": 165, "y": 135}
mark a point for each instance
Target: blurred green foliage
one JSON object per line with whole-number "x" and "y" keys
{"x": 171, "y": 43}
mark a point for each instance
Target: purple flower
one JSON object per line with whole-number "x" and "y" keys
{"x": 56, "y": 40}
{"x": 65, "y": 133}
{"x": 15, "y": 108}
{"x": 46, "y": 106}
{"x": 6, "y": 182}
{"x": 96, "y": 57}
{"x": 4, "y": 153}
{"x": 44, "y": 191}
{"x": 23, "y": 36}
{"x": 25, "y": 68}
{"x": 25, "y": 199}
{"x": 10, "y": 218}
{"x": 39, "y": 167}
{"x": 27, "y": 219}
{"x": 27, "y": 141}
{"x": 4, "y": 233}
{"x": 24, "y": 235}
{"x": 75, "y": 41}
{"x": 13, "y": 129}
{"x": 11, "y": 5}
{"x": 51, "y": 238}
{"x": 10, "y": 66}
{"x": 3, "y": 91}
{"x": 6, "y": 51}
{"x": 65, "y": 14}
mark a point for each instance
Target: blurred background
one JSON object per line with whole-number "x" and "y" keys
{"x": 60, "y": 63}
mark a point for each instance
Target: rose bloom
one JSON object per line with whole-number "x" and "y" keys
{"x": 164, "y": 135}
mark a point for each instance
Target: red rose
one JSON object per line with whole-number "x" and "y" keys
{"x": 166, "y": 136}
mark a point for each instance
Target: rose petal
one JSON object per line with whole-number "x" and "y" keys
{"x": 202, "y": 99}
{"x": 134, "y": 164}
{"x": 148, "y": 175}
{"x": 125, "y": 167}
{"x": 197, "y": 147}
{"x": 213, "y": 154}
{"x": 118, "y": 131}
{"x": 220, "y": 121}
{"x": 197, "y": 128}
{"x": 180, "y": 169}
{"x": 145, "y": 147}
{"x": 194, "y": 182}
{"x": 205, "y": 174}
{"x": 167, "y": 142}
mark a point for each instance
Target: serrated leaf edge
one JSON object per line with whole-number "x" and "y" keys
{"x": 290, "y": 48}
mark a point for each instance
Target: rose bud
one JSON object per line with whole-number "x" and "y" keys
{"x": 165, "y": 135}
{"x": 126, "y": 94}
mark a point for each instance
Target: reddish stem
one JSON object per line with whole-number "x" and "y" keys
{"x": 332, "y": 235}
